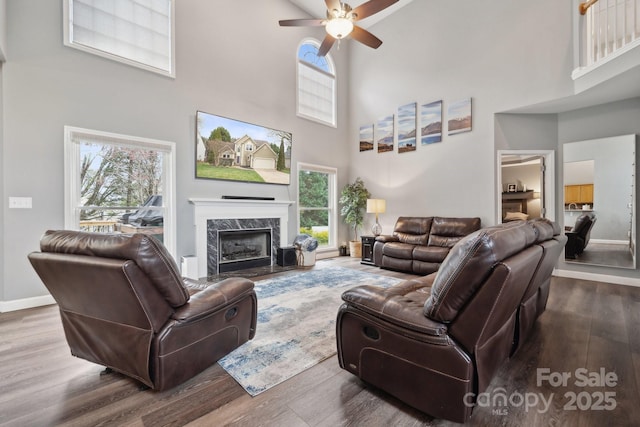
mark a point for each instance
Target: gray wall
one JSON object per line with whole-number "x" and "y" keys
{"x": 236, "y": 64}
{"x": 234, "y": 60}
{"x": 503, "y": 54}
{"x": 448, "y": 51}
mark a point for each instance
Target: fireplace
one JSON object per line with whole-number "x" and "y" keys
{"x": 214, "y": 215}
{"x": 240, "y": 249}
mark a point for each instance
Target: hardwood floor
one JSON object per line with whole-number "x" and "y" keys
{"x": 587, "y": 325}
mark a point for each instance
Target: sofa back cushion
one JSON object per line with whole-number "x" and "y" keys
{"x": 147, "y": 252}
{"x": 413, "y": 230}
{"x": 446, "y": 232}
{"x": 470, "y": 262}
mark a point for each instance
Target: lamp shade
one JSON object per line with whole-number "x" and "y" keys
{"x": 376, "y": 206}
{"x": 339, "y": 28}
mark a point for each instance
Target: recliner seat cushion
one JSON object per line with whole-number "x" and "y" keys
{"x": 146, "y": 251}
{"x": 398, "y": 250}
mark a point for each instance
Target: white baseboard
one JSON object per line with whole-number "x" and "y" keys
{"x": 616, "y": 280}
{"x": 21, "y": 304}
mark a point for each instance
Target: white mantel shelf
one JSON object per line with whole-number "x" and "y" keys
{"x": 238, "y": 202}
{"x": 209, "y": 208}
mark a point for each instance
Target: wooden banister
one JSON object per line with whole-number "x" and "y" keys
{"x": 583, "y": 7}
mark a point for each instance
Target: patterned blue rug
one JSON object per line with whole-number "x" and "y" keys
{"x": 296, "y": 325}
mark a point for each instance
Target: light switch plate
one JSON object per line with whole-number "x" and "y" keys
{"x": 20, "y": 203}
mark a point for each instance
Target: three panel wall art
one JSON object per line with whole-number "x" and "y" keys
{"x": 417, "y": 124}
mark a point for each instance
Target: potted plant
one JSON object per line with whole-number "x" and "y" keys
{"x": 353, "y": 199}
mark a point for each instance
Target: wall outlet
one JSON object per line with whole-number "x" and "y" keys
{"x": 20, "y": 203}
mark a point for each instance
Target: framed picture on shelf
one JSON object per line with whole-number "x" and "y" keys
{"x": 512, "y": 188}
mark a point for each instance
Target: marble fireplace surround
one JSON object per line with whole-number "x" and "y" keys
{"x": 237, "y": 213}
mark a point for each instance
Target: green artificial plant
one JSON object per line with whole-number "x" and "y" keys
{"x": 353, "y": 199}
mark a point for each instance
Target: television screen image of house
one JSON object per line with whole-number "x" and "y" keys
{"x": 234, "y": 150}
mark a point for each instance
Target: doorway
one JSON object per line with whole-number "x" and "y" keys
{"x": 525, "y": 185}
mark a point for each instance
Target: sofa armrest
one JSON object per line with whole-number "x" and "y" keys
{"x": 385, "y": 238}
{"x": 401, "y": 305}
{"x": 213, "y": 298}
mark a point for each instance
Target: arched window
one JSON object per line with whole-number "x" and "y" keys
{"x": 316, "y": 84}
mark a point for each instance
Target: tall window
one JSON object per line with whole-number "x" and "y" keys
{"x": 316, "y": 84}
{"x": 117, "y": 183}
{"x": 136, "y": 32}
{"x": 317, "y": 203}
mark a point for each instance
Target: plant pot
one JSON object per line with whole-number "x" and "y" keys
{"x": 355, "y": 248}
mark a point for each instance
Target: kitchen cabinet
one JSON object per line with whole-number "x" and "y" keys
{"x": 579, "y": 194}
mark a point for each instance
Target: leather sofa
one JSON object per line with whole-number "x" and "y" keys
{"x": 579, "y": 235}
{"x": 420, "y": 244}
{"x": 124, "y": 305}
{"x": 435, "y": 342}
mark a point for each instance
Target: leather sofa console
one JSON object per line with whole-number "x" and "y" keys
{"x": 420, "y": 244}
{"x": 436, "y": 342}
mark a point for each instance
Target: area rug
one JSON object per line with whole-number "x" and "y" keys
{"x": 296, "y": 325}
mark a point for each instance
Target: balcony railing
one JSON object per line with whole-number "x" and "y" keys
{"x": 608, "y": 28}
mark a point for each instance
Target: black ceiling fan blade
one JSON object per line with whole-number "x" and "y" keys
{"x": 302, "y": 22}
{"x": 370, "y": 8}
{"x": 333, "y": 4}
{"x": 326, "y": 45}
{"x": 365, "y": 37}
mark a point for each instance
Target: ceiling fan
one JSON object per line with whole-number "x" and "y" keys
{"x": 340, "y": 23}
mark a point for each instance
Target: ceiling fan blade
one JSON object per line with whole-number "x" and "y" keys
{"x": 371, "y": 7}
{"x": 326, "y": 45}
{"x": 302, "y": 22}
{"x": 333, "y": 4}
{"x": 365, "y": 37}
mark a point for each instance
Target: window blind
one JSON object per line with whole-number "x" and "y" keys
{"x": 136, "y": 30}
{"x": 316, "y": 94}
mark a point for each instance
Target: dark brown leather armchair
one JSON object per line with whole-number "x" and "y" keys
{"x": 436, "y": 342}
{"x": 579, "y": 235}
{"x": 124, "y": 305}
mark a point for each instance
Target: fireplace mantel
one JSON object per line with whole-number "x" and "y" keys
{"x": 206, "y": 209}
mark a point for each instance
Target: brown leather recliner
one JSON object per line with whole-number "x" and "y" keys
{"x": 579, "y": 235}
{"x": 124, "y": 305}
{"x": 436, "y": 342}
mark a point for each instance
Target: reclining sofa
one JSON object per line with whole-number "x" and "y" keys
{"x": 435, "y": 342}
{"x": 124, "y": 305}
{"x": 420, "y": 244}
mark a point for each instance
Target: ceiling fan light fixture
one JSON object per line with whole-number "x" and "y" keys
{"x": 339, "y": 28}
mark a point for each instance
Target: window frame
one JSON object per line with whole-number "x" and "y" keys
{"x": 332, "y": 202}
{"x": 333, "y": 74}
{"x": 72, "y": 159}
{"x": 68, "y": 41}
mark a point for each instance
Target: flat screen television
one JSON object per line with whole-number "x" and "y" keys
{"x": 234, "y": 150}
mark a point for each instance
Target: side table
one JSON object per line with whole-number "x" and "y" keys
{"x": 367, "y": 249}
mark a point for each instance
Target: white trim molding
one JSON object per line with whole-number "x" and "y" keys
{"x": 596, "y": 277}
{"x": 24, "y": 303}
